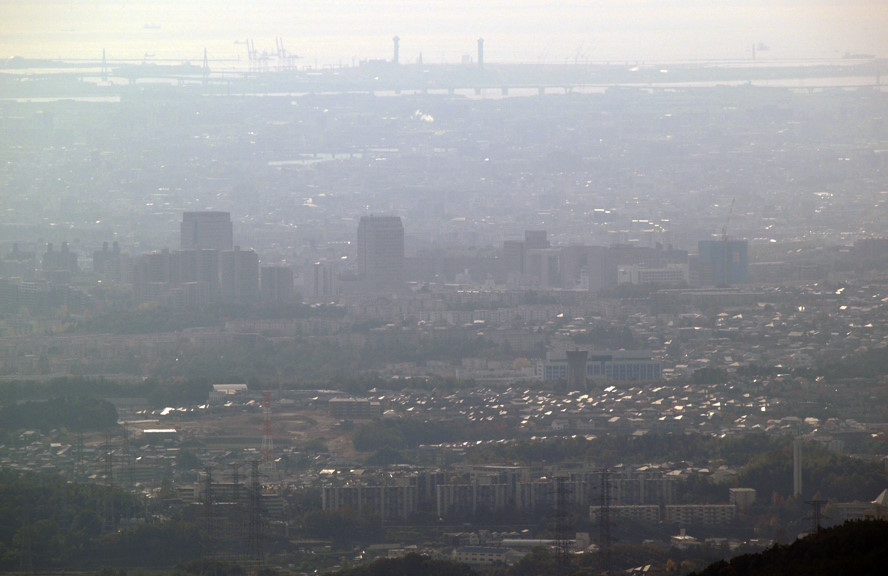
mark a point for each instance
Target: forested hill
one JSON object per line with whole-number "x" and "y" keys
{"x": 76, "y": 413}
{"x": 859, "y": 548}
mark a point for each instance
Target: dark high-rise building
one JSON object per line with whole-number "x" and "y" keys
{"x": 590, "y": 268}
{"x": 513, "y": 257}
{"x": 239, "y": 276}
{"x": 723, "y": 262}
{"x": 210, "y": 230}
{"x": 195, "y": 266}
{"x": 18, "y": 264}
{"x": 576, "y": 369}
{"x": 59, "y": 266}
{"x": 277, "y": 283}
{"x": 381, "y": 250}
{"x": 321, "y": 284}
{"x": 535, "y": 240}
{"x": 108, "y": 263}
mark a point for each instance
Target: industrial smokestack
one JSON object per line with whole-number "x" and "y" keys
{"x": 395, "y": 40}
{"x": 480, "y": 52}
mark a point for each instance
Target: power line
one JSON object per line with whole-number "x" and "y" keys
{"x": 605, "y": 537}
{"x": 255, "y": 526}
{"x": 816, "y": 516}
{"x": 109, "y": 523}
{"x": 562, "y": 543}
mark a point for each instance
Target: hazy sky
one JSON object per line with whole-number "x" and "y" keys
{"x": 330, "y": 32}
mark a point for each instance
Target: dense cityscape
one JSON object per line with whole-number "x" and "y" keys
{"x": 554, "y": 319}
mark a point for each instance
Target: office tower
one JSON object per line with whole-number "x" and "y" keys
{"x": 600, "y": 269}
{"x": 18, "y": 264}
{"x": 321, "y": 285}
{"x": 153, "y": 268}
{"x": 870, "y": 248}
{"x": 381, "y": 250}
{"x": 109, "y": 262}
{"x": 576, "y": 369}
{"x": 277, "y": 284}
{"x": 212, "y": 230}
{"x": 723, "y": 262}
{"x": 535, "y": 240}
{"x": 513, "y": 257}
{"x": 543, "y": 265}
{"x": 61, "y": 261}
{"x": 195, "y": 266}
{"x": 239, "y": 276}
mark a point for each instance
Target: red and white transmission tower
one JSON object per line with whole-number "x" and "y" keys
{"x": 267, "y": 460}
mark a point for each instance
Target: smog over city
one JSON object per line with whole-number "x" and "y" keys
{"x": 486, "y": 288}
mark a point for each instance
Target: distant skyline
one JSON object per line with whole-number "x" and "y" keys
{"x": 332, "y": 33}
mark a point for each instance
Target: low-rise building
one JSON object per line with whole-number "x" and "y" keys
{"x": 484, "y": 556}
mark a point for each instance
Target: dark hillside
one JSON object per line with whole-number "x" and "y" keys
{"x": 858, "y": 548}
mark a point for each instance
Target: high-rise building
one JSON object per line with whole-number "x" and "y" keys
{"x": 212, "y": 230}
{"x": 195, "y": 266}
{"x": 108, "y": 263}
{"x": 277, "y": 283}
{"x": 576, "y": 369}
{"x": 513, "y": 257}
{"x": 321, "y": 284}
{"x": 543, "y": 266}
{"x": 18, "y": 264}
{"x": 535, "y": 240}
{"x": 590, "y": 268}
{"x": 723, "y": 262}
{"x": 381, "y": 250}
{"x": 239, "y": 276}
{"x": 62, "y": 261}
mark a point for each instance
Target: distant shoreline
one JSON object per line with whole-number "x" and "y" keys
{"x": 23, "y": 78}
